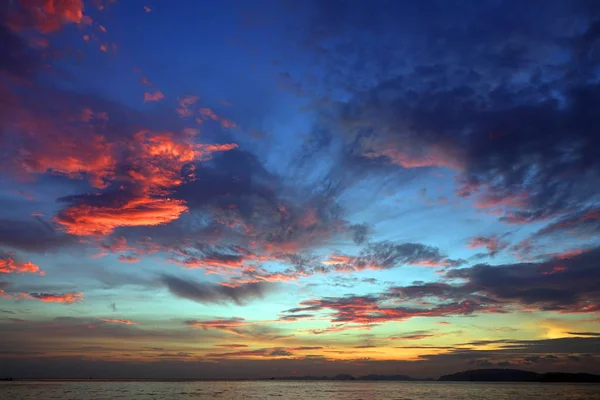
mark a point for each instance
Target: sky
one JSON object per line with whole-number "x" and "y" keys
{"x": 247, "y": 189}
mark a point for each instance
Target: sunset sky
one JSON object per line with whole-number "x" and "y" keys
{"x": 242, "y": 189}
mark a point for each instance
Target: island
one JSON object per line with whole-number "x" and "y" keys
{"x": 517, "y": 375}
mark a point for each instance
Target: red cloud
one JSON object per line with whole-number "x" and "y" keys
{"x": 274, "y": 352}
{"x": 492, "y": 243}
{"x": 156, "y": 160}
{"x": 67, "y": 298}
{"x": 8, "y": 265}
{"x": 489, "y": 200}
{"x": 156, "y": 96}
{"x": 432, "y": 156}
{"x": 555, "y": 270}
{"x": 185, "y": 103}
{"x": 129, "y": 259}
{"x": 67, "y": 146}
{"x": 411, "y": 337}
{"x": 231, "y": 325}
{"x": 207, "y": 113}
{"x": 569, "y": 253}
{"x": 118, "y": 321}
{"x": 225, "y": 123}
{"x": 232, "y": 346}
{"x": 367, "y": 310}
{"x": 46, "y": 15}
{"x": 96, "y": 220}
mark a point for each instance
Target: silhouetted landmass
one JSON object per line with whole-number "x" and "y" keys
{"x": 302, "y": 378}
{"x": 517, "y": 375}
{"x": 343, "y": 377}
{"x": 346, "y": 377}
{"x": 477, "y": 375}
{"x": 373, "y": 377}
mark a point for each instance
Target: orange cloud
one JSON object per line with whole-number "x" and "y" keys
{"x": 129, "y": 259}
{"x": 95, "y": 220}
{"x": 156, "y": 96}
{"x": 159, "y": 157}
{"x": 185, "y": 103}
{"x": 232, "y": 346}
{"x": 231, "y": 325}
{"x": 490, "y": 201}
{"x": 145, "y": 81}
{"x": 39, "y": 42}
{"x": 492, "y": 243}
{"x": 67, "y": 298}
{"x": 226, "y": 123}
{"x": 156, "y": 160}
{"x": 569, "y": 253}
{"x": 72, "y": 149}
{"x": 434, "y": 156}
{"x": 8, "y": 265}
{"x": 118, "y": 321}
{"x": 207, "y": 113}
{"x": 555, "y": 270}
{"x": 46, "y": 15}
{"x": 147, "y": 9}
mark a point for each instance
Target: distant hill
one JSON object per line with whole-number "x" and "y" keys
{"x": 373, "y": 377}
{"x": 476, "y": 375}
{"x": 347, "y": 377}
{"x": 343, "y": 377}
{"x": 517, "y": 375}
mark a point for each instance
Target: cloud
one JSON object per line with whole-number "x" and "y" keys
{"x": 129, "y": 259}
{"x": 101, "y": 219}
{"x": 232, "y": 345}
{"x": 584, "y": 222}
{"x": 232, "y": 325}
{"x": 584, "y": 333}
{"x": 255, "y": 330}
{"x": 66, "y": 298}
{"x": 519, "y": 150}
{"x": 386, "y": 255}
{"x": 368, "y": 310}
{"x": 213, "y": 293}
{"x": 118, "y": 321}
{"x": 417, "y": 335}
{"x": 276, "y": 352}
{"x": 156, "y": 96}
{"x": 8, "y": 265}
{"x": 45, "y": 15}
{"x": 561, "y": 285}
{"x": 493, "y": 244}
{"x": 19, "y": 60}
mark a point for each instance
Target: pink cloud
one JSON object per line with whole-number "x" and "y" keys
{"x": 156, "y": 96}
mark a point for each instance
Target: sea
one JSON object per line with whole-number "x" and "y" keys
{"x": 313, "y": 390}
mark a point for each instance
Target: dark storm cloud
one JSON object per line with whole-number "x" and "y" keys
{"x": 562, "y": 284}
{"x": 236, "y": 177}
{"x": 386, "y": 255}
{"x": 32, "y": 235}
{"x": 580, "y": 222}
{"x": 17, "y": 58}
{"x": 214, "y": 293}
{"x": 441, "y": 90}
{"x": 361, "y": 312}
{"x": 584, "y": 333}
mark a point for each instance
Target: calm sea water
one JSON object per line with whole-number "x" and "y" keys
{"x": 295, "y": 390}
